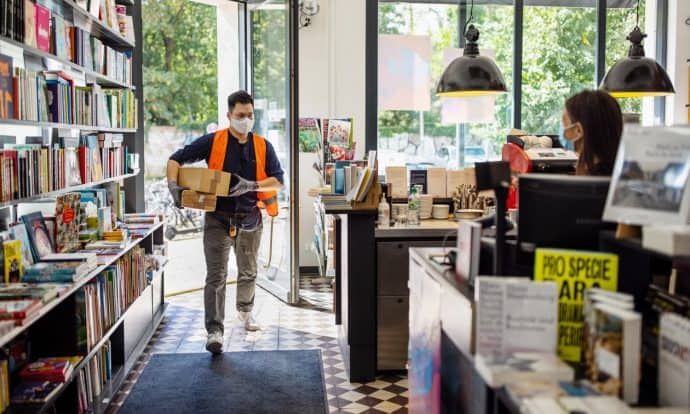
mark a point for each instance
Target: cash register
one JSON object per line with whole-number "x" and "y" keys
{"x": 542, "y": 154}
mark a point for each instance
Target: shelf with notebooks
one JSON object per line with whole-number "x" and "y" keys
{"x": 100, "y": 78}
{"x": 49, "y": 306}
{"x": 34, "y": 171}
{"x": 5, "y": 121}
{"x": 67, "y": 190}
{"x": 107, "y": 391}
{"x": 110, "y": 303}
{"x": 99, "y": 28}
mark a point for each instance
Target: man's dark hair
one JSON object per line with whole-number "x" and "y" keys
{"x": 241, "y": 97}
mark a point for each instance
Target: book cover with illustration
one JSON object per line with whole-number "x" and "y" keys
{"x": 55, "y": 369}
{"x": 42, "y": 28}
{"x": 29, "y": 23}
{"x": 38, "y": 235}
{"x": 674, "y": 361}
{"x": 574, "y": 271}
{"x": 14, "y": 268}
{"x": 67, "y": 222}
{"x": 18, "y": 232}
{"x": 339, "y": 132}
{"x": 6, "y": 88}
{"x": 309, "y": 134}
{"x": 613, "y": 361}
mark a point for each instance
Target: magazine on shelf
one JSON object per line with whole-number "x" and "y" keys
{"x": 651, "y": 177}
{"x": 14, "y": 268}
{"x": 67, "y": 222}
{"x": 18, "y": 232}
{"x": 39, "y": 235}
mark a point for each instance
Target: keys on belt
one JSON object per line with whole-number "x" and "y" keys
{"x": 232, "y": 231}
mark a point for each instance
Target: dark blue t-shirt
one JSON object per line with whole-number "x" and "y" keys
{"x": 240, "y": 160}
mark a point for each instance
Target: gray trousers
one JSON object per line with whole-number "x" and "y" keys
{"x": 217, "y": 244}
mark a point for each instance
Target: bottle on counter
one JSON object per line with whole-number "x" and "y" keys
{"x": 384, "y": 212}
{"x": 413, "y": 207}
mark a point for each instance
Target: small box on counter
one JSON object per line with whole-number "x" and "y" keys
{"x": 673, "y": 240}
{"x": 204, "y": 180}
{"x": 201, "y": 201}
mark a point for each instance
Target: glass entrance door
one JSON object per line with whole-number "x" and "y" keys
{"x": 269, "y": 58}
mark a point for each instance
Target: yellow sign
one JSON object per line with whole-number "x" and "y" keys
{"x": 574, "y": 271}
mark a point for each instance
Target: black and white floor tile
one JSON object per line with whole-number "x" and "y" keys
{"x": 308, "y": 326}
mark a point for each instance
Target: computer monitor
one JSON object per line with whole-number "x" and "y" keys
{"x": 561, "y": 211}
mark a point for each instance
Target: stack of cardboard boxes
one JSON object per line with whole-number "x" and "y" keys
{"x": 204, "y": 185}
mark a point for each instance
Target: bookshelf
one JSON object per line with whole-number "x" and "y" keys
{"x": 66, "y": 190}
{"x": 51, "y": 331}
{"x": 98, "y": 28}
{"x": 99, "y": 78}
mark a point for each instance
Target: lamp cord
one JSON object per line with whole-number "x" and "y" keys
{"x": 471, "y": 16}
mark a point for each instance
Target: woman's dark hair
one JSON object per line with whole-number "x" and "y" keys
{"x": 602, "y": 122}
{"x": 239, "y": 97}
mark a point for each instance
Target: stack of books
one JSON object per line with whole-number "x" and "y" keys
{"x": 19, "y": 310}
{"x": 42, "y": 379}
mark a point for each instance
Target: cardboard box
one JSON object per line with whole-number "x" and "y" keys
{"x": 204, "y": 180}
{"x": 200, "y": 201}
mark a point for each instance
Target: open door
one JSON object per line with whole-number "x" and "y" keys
{"x": 272, "y": 68}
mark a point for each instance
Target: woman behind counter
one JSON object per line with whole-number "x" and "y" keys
{"x": 593, "y": 121}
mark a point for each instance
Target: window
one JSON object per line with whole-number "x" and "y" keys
{"x": 423, "y": 138}
{"x": 559, "y": 49}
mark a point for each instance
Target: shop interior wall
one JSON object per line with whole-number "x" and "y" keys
{"x": 331, "y": 84}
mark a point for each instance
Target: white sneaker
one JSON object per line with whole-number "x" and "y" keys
{"x": 214, "y": 343}
{"x": 250, "y": 324}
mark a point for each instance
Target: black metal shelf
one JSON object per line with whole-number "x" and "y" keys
{"x": 47, "y": 307}
{"x": 5, "y": 121}
{"x": 100, "y": 29}
{"x": 55, "y": 193}
{"x": 100, "y": 79}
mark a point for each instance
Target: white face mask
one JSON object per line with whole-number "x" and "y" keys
{"x": 243, "y": 126}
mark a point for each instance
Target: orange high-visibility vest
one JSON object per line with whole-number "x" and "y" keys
{"x": 268, "y": 200}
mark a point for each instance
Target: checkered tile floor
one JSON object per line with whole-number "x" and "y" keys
{"x": 309, "y": 326}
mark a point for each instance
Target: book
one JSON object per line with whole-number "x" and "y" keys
{"x": 18, "y": 232}
{"x": 613, "y": 361}
{"x": 53, "y": 369}
{"x": 42, "y": 16}
{"x": 574, "y": 271}
{"x": 339, "y": 132}
{"x": 468, "y": 245}
{"x": 6, "y": 87}
{"x": 309, "y": 135}
{"x": 18, "y": 310}
{"x": 674, "y": 361}
{"x": 34, "y": 392}
{"x": 43, "y": 292}
{"x": 67, "y": 222}
{"x": 38, "y": 235}
{"x": 515, "y": 315}
{"x": 514, "y": 368}
{"x": 14, "y": 268}
{"x": 60, "y": 272}
{"x": 91, "y": 259}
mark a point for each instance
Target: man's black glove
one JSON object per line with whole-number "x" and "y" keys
{"x": 242, "y": 187}
{"x": 176, "y": 192}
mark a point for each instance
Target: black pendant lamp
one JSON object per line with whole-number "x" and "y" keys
{"x": 471, "y": 74}
{"x": 637, "y": 75}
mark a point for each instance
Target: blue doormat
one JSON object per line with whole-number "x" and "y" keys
{"x": 233, "y": 382}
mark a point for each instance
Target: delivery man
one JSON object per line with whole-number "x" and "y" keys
{"x": 237, "y": 221}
